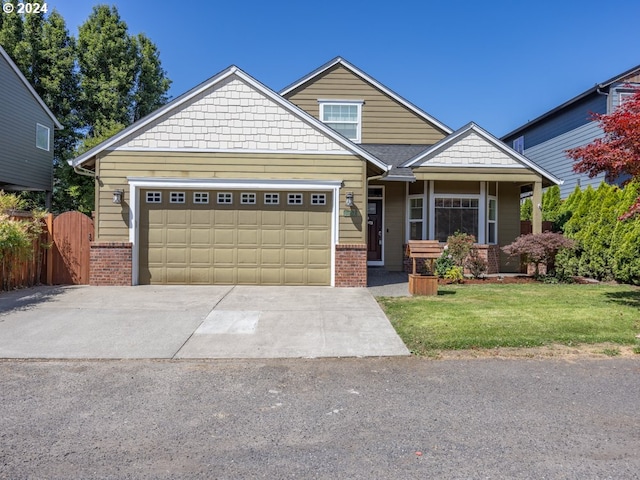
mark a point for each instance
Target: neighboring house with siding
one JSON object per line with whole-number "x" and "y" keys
{"x": 234, "y": 183}
{"x": 546, "y": 139}
{"x": 26, "y": 133}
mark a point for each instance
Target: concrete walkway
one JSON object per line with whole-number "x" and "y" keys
{"x": 194, "y": 322}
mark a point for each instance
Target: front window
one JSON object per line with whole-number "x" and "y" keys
{"x": 343, "y": 117}
{"x": 416, "y": 218}
{"x": 456, "y": 214}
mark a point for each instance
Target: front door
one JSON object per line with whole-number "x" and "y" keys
{"x": 374, "y": 231}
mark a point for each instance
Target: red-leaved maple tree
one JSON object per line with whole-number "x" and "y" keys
{"x": 617, "y": 153}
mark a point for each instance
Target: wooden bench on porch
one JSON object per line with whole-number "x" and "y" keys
{"x": 429, "y": 250}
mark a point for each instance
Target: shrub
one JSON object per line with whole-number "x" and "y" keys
{"x": 444, "y": 262}
{"x": 476, "y": 264}
{"x": 454, "y": 275}
{"x": 538, "y": 248}
{"x": 459, "y": 245}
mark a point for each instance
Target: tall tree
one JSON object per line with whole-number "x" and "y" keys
{"x": 617, "y": 153}
{"x": 11, "y": 29}
{"x": 107, "y": 62}
{"x": 152, "y": 83}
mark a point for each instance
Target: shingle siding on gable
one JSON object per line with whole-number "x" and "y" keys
{"x": 21, "y": 162}
{"x": 551, "y": 155}
{"x": 472, "y": 151}
{"x": 383, "y": 119}
{"x": 232, "y": 116}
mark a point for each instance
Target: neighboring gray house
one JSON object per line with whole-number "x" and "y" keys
{"x": 26, "y": 133}
{"x": 546, "y": 139}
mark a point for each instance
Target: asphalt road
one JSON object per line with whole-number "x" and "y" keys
{"x": 404, "y": 418}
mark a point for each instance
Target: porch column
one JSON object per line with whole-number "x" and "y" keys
{"x": 536, "y": 217}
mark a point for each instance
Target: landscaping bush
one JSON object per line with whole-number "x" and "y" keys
{"x": 476, "y": 265}
{"x": 606, "y": 247}
{"x": 538, "y": 248}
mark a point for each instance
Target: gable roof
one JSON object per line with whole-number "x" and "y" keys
{"x": 194, "y": 92}
{"x": 26, "y": 83}
{"x": 356, "y": 71}
{"x": 423, "y": 158}
{"x": 595, "y": 89}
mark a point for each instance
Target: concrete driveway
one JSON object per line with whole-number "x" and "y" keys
{"x": 194, "y": 322}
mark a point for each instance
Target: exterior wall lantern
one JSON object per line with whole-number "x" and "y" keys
{"x": 117, "y": 196}
{"x": 349, "y": 201}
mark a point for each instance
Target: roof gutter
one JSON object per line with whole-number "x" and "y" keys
{"x": 83, "y": 171}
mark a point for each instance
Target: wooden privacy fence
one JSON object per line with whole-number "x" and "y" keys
{"x": 65, "y": 262}
{"x": 18, "y": 272}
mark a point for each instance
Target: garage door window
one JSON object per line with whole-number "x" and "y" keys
{"x": 295, "y": 199}
{"x": 271, "y": 198}
{"x": 318, "y": 199}
{"x": 154, "y": 197}
{"x": 201, "y": 197}
{"x": 225, "y": 198}
{"x": 248, "y": 198}
{"x": 177, "y": 197}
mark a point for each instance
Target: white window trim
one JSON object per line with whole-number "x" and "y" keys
{"x": 423, "y": 219}
{"x": 318, "y": 199}
{"x": 203, "y": 200}
{"x": 489, "y": 221}
{"x": 224, "y": 196}
{"x": 277, "y": 202}
{"x": 292, "y": 198}
{"x": 518, "y": 141}
{"x": 357, "y": 103}
{"x": 177, "y": 197}
{"x": 48, "y": 148}
{"x": 248, "y": 198}
{"x": 156, "y": 197}
{"x": 136, "y": 184}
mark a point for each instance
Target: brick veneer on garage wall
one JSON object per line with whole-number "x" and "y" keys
{"x": 351, "y": 265}
{"x": 110, "y": 264}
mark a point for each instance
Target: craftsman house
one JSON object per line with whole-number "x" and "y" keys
{"x": 26, "y": 133}
{"x": 233, "y": 183}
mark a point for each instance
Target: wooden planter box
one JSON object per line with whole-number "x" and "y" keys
{"x": 423, "y": 284}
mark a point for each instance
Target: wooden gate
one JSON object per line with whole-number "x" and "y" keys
{"x": 68, "y": 263}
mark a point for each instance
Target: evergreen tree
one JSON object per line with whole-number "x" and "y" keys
{"x": 107, "y": 62}
{"x": 152, "y": 83}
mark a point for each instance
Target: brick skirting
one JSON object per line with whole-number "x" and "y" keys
{"x": 351, "y": 265}
{"x": 110, "y": 264}
{"x": 491, "y": 253}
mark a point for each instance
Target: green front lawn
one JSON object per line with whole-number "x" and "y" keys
{"x": 517, "y": 315}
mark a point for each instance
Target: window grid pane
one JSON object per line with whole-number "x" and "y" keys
{"x": 248, "y": 198}
{"x": 456, "y": 215}
{"x": 318, "y": 199}
{"x": 177, "y": 197}
{"x": 225, "y": 197}
{"x": 271, "y": 198}
{"x": 294, "y": 199}
{"x": 154, "y": 197}
{"x": 201, "y": 197}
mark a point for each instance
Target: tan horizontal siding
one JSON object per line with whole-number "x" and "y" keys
{"x": 384, "y": 120}
{"x": 508, "y": 222}
{"x": 115, "y": 167}
{"x": 394, "y": 225}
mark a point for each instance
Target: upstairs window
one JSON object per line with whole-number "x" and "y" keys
{"x": 42, "y": 137}
{"x": 343, "y": 117}
{"x": 518, "y": 144}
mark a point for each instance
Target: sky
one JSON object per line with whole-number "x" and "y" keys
{"x": 498, "y": 63}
